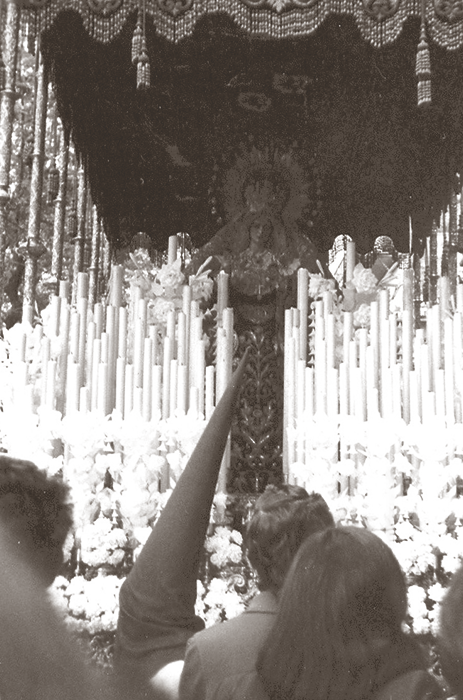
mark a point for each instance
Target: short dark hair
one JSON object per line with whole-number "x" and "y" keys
{"x": 450, "y": 634}
{"x": 283, "y": 517}
{"x": 343, "y": 593}
{"x": 36, "y": 512}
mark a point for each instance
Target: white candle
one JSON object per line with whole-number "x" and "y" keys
{"x": 172, "y": 249}
{"x": 166, "y": 377}
{"x": 371, "y": 390}
{"x": 332, "y": 404}
{"x": 55, "y": 307}
{"x": 122, "y": 342}
{"x": 139, "y": 342}
{"x": 200, "y": 373}
{"x": 309, "y": 392}
{"x": 449, "y": 370}
{"x": 350, "y": 260}
{"x": 83, "y": 399}
{"x": 147, "y": 379}
{"x": 51, "y": 385}
{"x": 120, "y": 385}
{"x": 436, "y": 358}
{"x": 300, "y": 389}
{"x": 320, "y": 375}
{"x": 374, "y": 339}
{"x": 173, "y": 388}
{"x": 181, "y": 338}
{"x": 343, "y": 390}
{"x": 181, "y": 389}
{"x": 440, "y": 393}
{"x": 352, "y": 375}
{"x": 460, "y": 297}
{"x": 156, "y": 393}
{"x": 73, "y": 387}
{"x": 117, "y": 276}
{"x": 82, "y": 285}
{"x": 286, "y": 385}
{"x": 415, "y": 412}
{"x": 291, "y": 385}
{"x": 128, "y": 393}
{"x": 95, "y": 363}
{"x": 392, "y": 339}
{"x": 347, "y": 335}
{"x": 222, "y": 293}
{"x": 209, "y": 406}
{"x": 98, "y": 318}
{"x": 102, "y": 400}
{"x": 74, "y": 336}
{"x": 46, "y": 345}
{"x": 330, "y": 341}
{"x": 303, "y": 306}
{"x": 396, "y": 390}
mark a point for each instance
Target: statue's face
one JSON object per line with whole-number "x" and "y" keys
{"x": 260, "y": 231}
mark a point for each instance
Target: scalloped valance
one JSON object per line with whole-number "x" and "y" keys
{"x": 379, "y": 21}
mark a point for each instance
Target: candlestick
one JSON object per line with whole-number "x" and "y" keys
{"x": 128, "y": 393}
{"x": 95, "y": 363}
{"x": 222, "y": 293}
{"x": 172, "y": 249}
{"x": 309, "y": 392}
{"x": 350, "y": 260}
{"x": 181, "y": 389}
{"x": 156, "y": 394}
{"x": 303, "y": 306}
{"x": 120, "y": 385}
{"x": 147, "y": 379}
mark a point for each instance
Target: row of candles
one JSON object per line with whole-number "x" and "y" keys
{"x": 88, "y": 364}
{"x": 397, "y": 368}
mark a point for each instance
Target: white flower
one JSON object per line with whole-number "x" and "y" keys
{"x": 363, "y": 279}
{"x": 170, "y": 277}
{"x": 362, "y": 316}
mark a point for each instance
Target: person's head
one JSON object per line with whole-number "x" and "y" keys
{"x": 343, "y": 602}
{"x": 283, "y": 517}
{"x": 450, "y": 634}
{"x": 35, "y": 514}
{"x": 260, "y": 231}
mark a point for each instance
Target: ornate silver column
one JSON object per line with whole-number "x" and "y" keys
{"x": 79, "y": 241}
{"x": 8, "y": 98}
{"x": 33, "y": 248}
{"x": 94, "y": 259}
{"x": 60, "y": 210}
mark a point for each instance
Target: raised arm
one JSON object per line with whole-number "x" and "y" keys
{"x": 157, "y": 600}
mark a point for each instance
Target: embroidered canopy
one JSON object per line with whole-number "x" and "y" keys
{"x": 222, "y": 92}
{"x": 379, "y": 21}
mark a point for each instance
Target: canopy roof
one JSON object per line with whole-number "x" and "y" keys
{"x": 326, "y": 90}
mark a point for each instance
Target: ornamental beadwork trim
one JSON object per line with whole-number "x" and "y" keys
{"x": 380, "y": 10}
{"x": 104, "y": 7}
{"x": 379, "y": 21}
{"x": 449, "y": 10}
{"x": 175, "y": 7}
{"x": 280, "y": 5}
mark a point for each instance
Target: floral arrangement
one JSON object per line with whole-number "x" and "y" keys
{"x": 400, "y": 480}
{"x": 162, "y": 286}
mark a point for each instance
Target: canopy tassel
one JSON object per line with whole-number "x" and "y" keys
{"x": 423, "y": 65}
{"x": 143, "y": 63}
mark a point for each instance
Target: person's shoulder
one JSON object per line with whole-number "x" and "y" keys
{"x": 413, "y": 685}
{"x": 231, "y": 647}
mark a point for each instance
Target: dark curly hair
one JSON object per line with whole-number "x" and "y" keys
{"x": 36, "y": 512}
{"x": 283, "y": 517}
